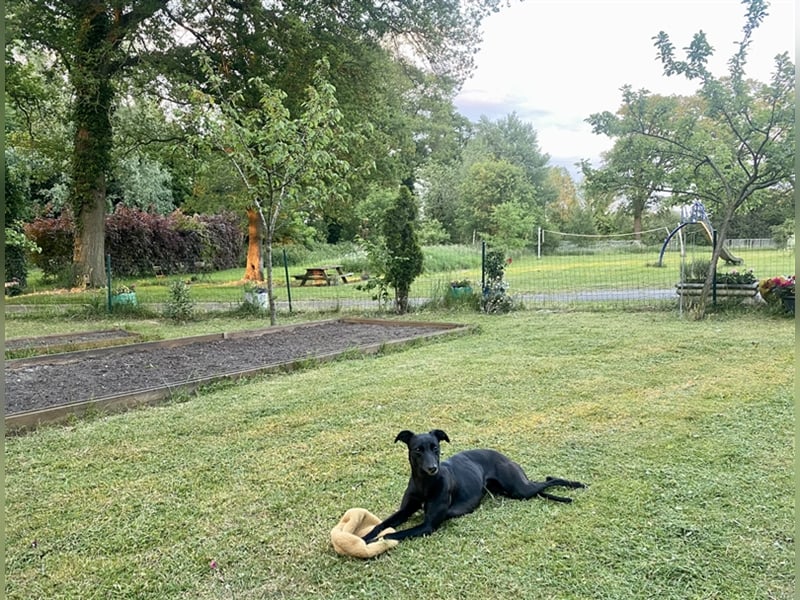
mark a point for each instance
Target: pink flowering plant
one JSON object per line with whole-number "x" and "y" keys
{"x": 774, "y": 289}
{"x": 736, "y": 277}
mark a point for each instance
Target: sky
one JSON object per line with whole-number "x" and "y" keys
{"x": 555, "y": 62}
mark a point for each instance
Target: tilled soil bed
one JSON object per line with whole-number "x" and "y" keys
{"x": 65, "y": 342}
{"x": 60, "y": 379}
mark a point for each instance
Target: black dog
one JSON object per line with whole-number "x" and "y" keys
{"x": 456, "y": 486}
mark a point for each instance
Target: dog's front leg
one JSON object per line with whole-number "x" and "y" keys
{"x": 435, "y": 515}
{"x": 408, "y": 507}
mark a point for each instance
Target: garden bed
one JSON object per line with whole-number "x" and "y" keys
{"x": 55, "y": 387}
{"x": 68, "y": 342}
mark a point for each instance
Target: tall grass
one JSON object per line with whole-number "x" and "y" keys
{"x": 683, "y": 431}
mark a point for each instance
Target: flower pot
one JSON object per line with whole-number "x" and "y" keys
{"x": 260, "y": 299}
{"x": 788, "y": 303}
{"x": 126, "y": 298}
{"x": 461, "y": 290}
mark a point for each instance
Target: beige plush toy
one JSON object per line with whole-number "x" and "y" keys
{"x": 356, "y": 523}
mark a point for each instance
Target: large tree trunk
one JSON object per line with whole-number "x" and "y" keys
{"x": 91, "y": 154}
{"x": 255, "y": 257}
{"x": 88, "y": 254}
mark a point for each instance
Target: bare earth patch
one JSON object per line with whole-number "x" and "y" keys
{"x": 59, "y": 379}
{"x": 71, "y": 341}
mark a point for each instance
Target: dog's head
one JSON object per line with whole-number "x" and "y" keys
{"x": 423, "y": 450}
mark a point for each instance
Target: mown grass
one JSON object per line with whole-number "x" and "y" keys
{"x": 682, "y": 429}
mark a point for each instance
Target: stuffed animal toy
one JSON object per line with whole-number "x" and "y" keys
{"x": 356, "y": 523}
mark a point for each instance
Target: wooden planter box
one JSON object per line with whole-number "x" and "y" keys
{"x": 724, "y": 290}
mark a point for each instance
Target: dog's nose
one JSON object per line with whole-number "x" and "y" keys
{"x": 432, "y": 470}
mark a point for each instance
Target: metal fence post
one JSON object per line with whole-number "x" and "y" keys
{"x": 714, "y": 266}
{"x": 288, "y": 283}
{"x": 108, "y": 279}
{"x": 483, "y": 267}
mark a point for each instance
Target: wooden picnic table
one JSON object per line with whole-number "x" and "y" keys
{"x": 325, "y": 275}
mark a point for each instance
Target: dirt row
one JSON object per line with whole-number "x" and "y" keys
{"x": 33, "y": 384}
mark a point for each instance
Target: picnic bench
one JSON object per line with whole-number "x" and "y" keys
{"x": 326, "y": 275}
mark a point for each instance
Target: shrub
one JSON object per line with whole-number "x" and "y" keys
{"x": 179, "y": 306}
{"x": 223, "y": 240}
{"x": 16, "y": 266}
{"x": 137, "y": 241}
{"x": 696, "y": 271}
{"x": 404, "y": 254}
{"x": 495, "y": 298}
{"x": 55, "y": 238}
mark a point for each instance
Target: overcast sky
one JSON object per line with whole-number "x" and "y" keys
{"x": 555, "y": 62}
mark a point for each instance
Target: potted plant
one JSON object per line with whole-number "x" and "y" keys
{"x": 460, "y": 287}
{"x": 727, "y": 284}
{"x": 124, "y": 295}
{"x": 256, "y": 293}
{"x": 778, "y": 290}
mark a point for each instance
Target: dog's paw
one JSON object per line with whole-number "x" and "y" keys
{"x": 566, "y": 483}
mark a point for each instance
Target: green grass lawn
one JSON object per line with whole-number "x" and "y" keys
{"x": 682, "y": 429}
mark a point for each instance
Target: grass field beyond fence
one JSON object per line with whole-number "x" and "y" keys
{"x": 683, "y": 431}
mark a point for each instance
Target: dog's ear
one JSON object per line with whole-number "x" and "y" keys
{"x": 440, "y": 435}
{"x": 404, "y": 436}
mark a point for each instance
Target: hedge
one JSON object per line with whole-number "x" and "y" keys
{"x": 139, "y": 241}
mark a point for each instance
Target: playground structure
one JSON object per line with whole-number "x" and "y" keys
{"x": 696, "y": 215}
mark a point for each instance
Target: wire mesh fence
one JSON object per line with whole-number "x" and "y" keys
{"x": 561, "y": 271}
{"x": 567, "y": 271}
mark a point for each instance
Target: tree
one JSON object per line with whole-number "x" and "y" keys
{"x": 37, "y": 125}
{"x": 736, "y": 141}
{"x": 15, "y": 211}
{"x": 440, "y": 196}
{"x": 395, "y": 68}
{"x": 566, "y": 201}
{"x": 774, "y": 207}
{"x": 512, "y": 140}
{"x": 143, "y": 183}
{"x": 486, "y": 188}
{"x": 153, "y": 163}
{"x": 501, "y": 162}
{"x": 512, "y": 224}
{"x": 403, "y": 252}
{"x": 286, "y": 164}
{"x": 95, "y": 40}
{"x": 635, "y": 170}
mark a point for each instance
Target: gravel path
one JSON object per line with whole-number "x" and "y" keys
{"x": 98, "y": 374}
